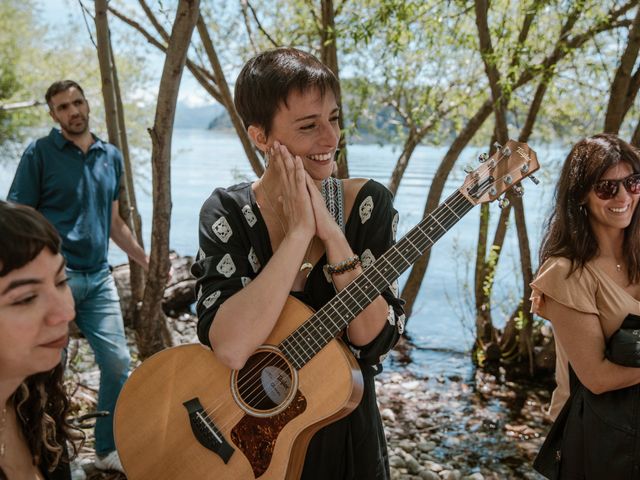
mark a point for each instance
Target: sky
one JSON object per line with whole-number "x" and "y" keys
{"x": 61, "y": 12}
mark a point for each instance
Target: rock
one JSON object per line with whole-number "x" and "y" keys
{"x": 388, "y": 415}
{"x": 428, "y": 475}
{"x": 412, "y": 464}
{"x": 396, "y": 461}
{"x": 474, "y": 476}
{"x": 450, "y": 475}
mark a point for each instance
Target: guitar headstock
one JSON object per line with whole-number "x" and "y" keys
{"x": 500, "y": 172}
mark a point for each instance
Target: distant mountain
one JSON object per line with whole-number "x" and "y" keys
{"x": 201, "y": 116}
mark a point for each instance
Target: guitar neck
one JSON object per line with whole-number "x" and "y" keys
{"x": 322, "y": 327}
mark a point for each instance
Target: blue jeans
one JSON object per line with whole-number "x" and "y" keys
{"x": 99, "y": 318}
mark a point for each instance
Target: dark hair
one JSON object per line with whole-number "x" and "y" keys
{"x": 60, "y": 86}
{"x": 41, "y": 403}
{"x": 568, "y": 231}
{"x": 266, "y": 80}
{"x": 24, "y": 232}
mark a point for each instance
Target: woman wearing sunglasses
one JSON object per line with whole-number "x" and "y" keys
{"x": 587, "y": 283}
{"x": 36, "y": 307}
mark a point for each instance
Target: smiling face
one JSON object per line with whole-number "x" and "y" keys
{"x": 308, "y": 126}
{"x": 615, "y": 213}
{"x": 36, "y": 307}
{"x": 70, "y": 109}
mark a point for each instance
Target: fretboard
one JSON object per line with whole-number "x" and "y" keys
{"x": 324, "y": 325}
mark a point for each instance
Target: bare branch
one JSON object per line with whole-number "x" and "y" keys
{"x": 255, "y": 18}
{"x": 203, "y": 77}
{"x": 20, "y": 105}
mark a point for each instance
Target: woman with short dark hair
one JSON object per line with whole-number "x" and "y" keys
{"x": 298, "y": 231}
{"x": 36, "y": 307}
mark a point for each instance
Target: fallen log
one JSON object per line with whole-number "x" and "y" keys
{"x": 178, "y": 296}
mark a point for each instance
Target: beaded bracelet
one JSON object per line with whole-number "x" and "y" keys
{"x": 344, "y": 266}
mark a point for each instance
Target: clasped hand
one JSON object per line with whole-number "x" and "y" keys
{"x": 301, "y": 200}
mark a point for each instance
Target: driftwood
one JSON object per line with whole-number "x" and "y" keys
{"x": 178, "y": 296}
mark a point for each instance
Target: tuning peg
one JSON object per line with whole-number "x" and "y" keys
{"x": 524, "y": 168}
{"x": 503, "y": 202}
{"x": 497, "y": 146}
{"x": 483, "y": 157}
{"x": 518, "y": 190}
{"x": 468, "y": 168}
{"x": 507, "y": 179}
{"x": 506, "y": 151}
{"x": 534, "y": 179}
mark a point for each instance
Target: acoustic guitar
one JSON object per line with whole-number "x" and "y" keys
{"x": 183, "y": 415}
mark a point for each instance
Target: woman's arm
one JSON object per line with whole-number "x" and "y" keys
{"x": 581, "y": 336}
{"x": 245, "y": 320}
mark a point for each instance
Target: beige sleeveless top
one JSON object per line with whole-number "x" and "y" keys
{"x": 588, "y": 290}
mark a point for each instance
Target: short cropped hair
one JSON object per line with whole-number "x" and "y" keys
{"x": 267, "y": 79}
{"x": 60, "y": 86}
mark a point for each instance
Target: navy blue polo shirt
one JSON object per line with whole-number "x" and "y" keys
{"x": 74, "y": 192}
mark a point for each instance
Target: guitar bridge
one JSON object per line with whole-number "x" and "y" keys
{"x": 205, "y": 430}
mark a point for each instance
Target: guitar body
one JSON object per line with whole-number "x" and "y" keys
{"x": 154, "y": 433}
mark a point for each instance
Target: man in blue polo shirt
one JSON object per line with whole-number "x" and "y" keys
{"x": 73, "y": 178}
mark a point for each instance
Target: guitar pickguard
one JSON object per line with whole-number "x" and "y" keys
{"x": 256, "y": 436}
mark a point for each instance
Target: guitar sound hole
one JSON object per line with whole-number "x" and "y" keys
{"x": 265, "y": 382}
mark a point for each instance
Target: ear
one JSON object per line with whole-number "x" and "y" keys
{"x": 258, "y": 137}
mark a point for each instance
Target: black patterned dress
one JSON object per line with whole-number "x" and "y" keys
{"x": 235, "y": 245}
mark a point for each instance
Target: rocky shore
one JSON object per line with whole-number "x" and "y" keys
{"x": 446, "y": 428}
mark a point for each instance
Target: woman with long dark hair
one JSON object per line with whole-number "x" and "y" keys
{"x": 587, "y": 284}
{"x": 36, "y": 307}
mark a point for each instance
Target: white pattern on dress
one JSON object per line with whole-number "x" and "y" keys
{"x": 211, "y": 299}
{"x": 366, "y": 207}
{"x": 245, "y": 281}
{"x": 355, "y": 351}
{"x": 200, "y": 255}
{"x": 394, "y": 224}
{"x": 226, "y": 266}
{"x": 199, "y": 293}
{"x": 401, "y": 321}
{"x": 249, "y": 215}
{"x": 367, "y": 258}
{"x": 253, "y": 260}
{"x": 394, "y": 288}
{"x": 222, "y": 229}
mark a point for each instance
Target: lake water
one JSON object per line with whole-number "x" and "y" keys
{"x": 442, "y": 320}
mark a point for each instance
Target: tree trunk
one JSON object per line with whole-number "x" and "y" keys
{"x": 563, "y": 47}
{"x": 202, "y": 75}
{"x": 329, "y": 56}
{"x": 635, "y": 138}
{"x": 115, "y": 120}
{"x": 620, "y": 87}
{"x": 412, "y": 287}
{"x": 152, "y": 330}
{"x": 409, "y": 147}
{"x": 227, "y": 98}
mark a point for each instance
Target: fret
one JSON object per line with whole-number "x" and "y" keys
{"x": 330, "y": 320}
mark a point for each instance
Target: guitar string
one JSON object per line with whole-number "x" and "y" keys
{"x": 396, "y": 253}
{"x": 446, "y": 218}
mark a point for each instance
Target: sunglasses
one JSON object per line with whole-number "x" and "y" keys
{"x": 607, "y": 189}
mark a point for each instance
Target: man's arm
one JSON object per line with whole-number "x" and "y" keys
{"x": 26, "y": 187}
{"x": 122, "y": 236}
